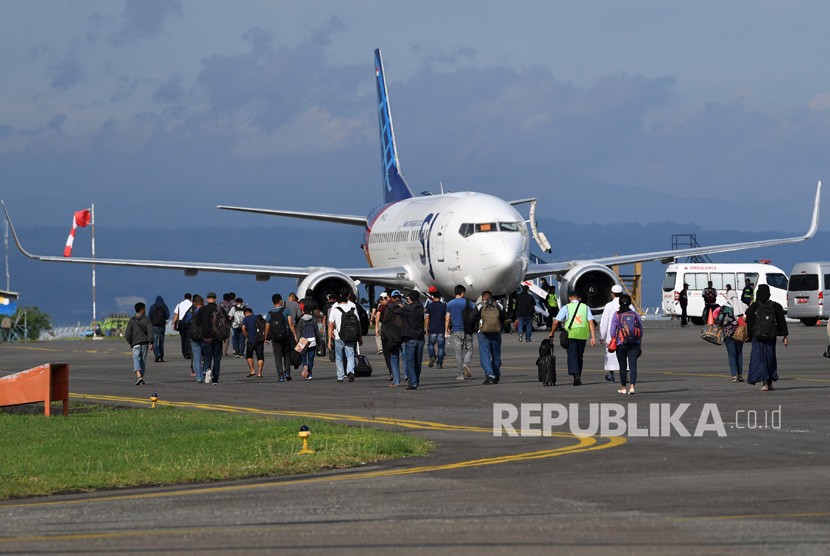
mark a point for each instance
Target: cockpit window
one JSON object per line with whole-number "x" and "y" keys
{"x": 468, "y": 229}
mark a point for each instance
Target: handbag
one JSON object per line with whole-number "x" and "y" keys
{"x": 741, "y": 334}
{"x": 612, "y": 345}
{"x": 712, "y": 333}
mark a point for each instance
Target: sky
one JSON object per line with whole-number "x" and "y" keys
{"x": 157, "y": 111}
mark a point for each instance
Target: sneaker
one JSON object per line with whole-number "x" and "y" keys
{"x": 412, "y": 387}
{"x": 460, "y": 377}
{"x": 309, "y": 377}
{"x": 440, "y": 365}
{"x": 740, "y": 378}
{"x": 216, "y": 383}
{"x": 467, "y": 372}
{"x": 141, "y": 381}
{"x": 281, "y": 379}
{"x": 339, "y": 380}
{"x": 610, "y": 377}
{"x": 431, "y": 362}
{"x": 577, "y": 381}
{"x": 520, "y": 338}
{"x": 497, "y": 380}
{"x": 288, "y": 377}
{"x": 351, "y": 378}
{"x": 138, "y": 381}
{"x": 489, "y": 380}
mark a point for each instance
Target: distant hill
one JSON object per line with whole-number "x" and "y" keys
{"x": 64, "y": 291}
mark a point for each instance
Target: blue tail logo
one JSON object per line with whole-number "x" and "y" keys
{"x": 394, "y": 186}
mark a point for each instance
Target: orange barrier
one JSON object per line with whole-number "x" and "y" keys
{"x": 46, "y": 383}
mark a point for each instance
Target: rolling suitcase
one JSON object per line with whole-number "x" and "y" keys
{"x": 546, "y": 363}
{"x": 362, "y": 367}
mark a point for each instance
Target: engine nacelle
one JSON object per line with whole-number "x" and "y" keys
{"x": 325, "y": 281}
{"x": 593, "y": 281}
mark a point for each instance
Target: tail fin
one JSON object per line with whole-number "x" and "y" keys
{"x": 394, "y": 186}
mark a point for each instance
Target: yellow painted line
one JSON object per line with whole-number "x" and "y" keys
{"x": 751, "y": 516}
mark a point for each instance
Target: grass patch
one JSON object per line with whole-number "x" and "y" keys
{"x": 104, "y": 447}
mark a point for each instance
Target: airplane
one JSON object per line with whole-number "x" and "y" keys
{"x": 474, "y": 239}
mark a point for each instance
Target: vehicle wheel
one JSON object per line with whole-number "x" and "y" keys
{"x": 809, "y": 322}
{"x": 697, "y": 321}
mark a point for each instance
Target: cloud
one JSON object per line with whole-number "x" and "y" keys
{"x": 820, "y": 102}
{"x": 169, "y": 92}
{"x": 66, "y": 73}
{"x": 144, "y": 19}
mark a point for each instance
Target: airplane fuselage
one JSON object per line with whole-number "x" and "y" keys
{"x": 473, "y": 239}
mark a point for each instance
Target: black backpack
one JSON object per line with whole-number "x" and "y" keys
{"x": 279, "y": 324}
{"x": 157, "y": 315}
{"x": 260, "y": 328}
{"x": 765, "y": 327}
{"x": 219, "y": 327}
{"x": 349, "y": 330}
{"x": 194, "y": 331}
{"x": 470, "y": 317}
{"x": 390, "y": 332}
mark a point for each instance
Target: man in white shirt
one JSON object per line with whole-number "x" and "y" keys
{"x": 611, "y": 362}
{"x": 344, "y": 350}
{"x": 178, "y": 314}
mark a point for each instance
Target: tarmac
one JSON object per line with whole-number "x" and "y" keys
{"x": 763, "y": 487}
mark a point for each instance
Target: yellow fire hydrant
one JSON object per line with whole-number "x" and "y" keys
{"x": 154, "y": 398}
{"x": 304, "y": 434}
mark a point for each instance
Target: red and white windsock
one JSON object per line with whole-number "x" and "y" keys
{"x": 81, "y": 219}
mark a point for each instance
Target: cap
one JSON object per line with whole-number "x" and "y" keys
{"x": 396, "y": 293}
{"x": 616, "y": 288}
{"x": 433, "y": 289}
{"x": 211, "y": 295}
{"x": 384, "y": 295}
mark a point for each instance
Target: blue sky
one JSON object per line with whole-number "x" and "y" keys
{"x": 157, "y": 111}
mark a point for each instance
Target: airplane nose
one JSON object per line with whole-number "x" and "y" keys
{"x": 504, "y": 262}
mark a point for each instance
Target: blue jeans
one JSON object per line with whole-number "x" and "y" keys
{"x": 735, "y": 354}
{"x": 627, "y": 356}
{"x": 212, "y": 354}
{"x": 526, "y": 326}
{"x": 392, "y": 355}
{"x": 158, "y": 341}
{"x": 576, "y": 352}
{"x": 308, "y": 358}
{"x": 413, "y": 359}
{"x": 196, "y": 360}
{"x": 140, "y": 358}
{"x": 437, "y": 340}
{"x": 238, "y": 341}
{"x": 489, "y": 351}
{"x": 344, "y": 350}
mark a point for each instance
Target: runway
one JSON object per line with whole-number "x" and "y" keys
{"x": 755, "y": 490}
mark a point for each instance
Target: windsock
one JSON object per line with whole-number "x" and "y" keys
{"x": 81, "y": 219}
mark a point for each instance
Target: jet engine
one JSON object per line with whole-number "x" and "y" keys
{"x": 325, "y": 281}
{"x": 593, "y": 281}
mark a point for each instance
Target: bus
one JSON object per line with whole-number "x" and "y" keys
{"x": 697, "y": 275}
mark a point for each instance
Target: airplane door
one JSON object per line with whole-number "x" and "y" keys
{"x": 440, "y": 237}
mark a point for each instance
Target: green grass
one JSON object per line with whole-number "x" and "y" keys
{"x": 102, "y": 447}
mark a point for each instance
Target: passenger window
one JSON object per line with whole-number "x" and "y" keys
{"x": 803, "y": 282}
{"x": 697, "y": 280}
{"x": 777, "y": 280}
{"x": 720, "y": 279}
{"x": 827, "y": 281}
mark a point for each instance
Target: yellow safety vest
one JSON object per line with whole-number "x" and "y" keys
{"x": 579, "y": 330}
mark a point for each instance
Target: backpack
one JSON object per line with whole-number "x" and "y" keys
{"x": 279, "y": 324}
{"x": 470, "y": 317}
{"x": 349, "y": 330}
{"x": 364, "y": 320}
{"x": 630, "y": 331}
{"x": 390, "y": 332}
{"x": 490, "y": 322}
{"x": 765, "y": 327}
{"x": 219, "y": 327}
{"x": 260, "y": 328}
{"x": 545, "y": 348}
{"x": 194, "y": 331}
{"x": 710, "y": 295}
{"x": 157, "y": 315}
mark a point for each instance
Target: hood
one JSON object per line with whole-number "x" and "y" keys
{"x": 159, "y": 301}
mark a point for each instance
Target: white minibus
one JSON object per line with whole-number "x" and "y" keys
{"x": 809, "y": 285}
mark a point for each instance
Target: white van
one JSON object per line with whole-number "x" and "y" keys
{"x": 697, "y": 275}
{"x": 809, "y": 285}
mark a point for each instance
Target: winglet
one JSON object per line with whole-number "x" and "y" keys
{"x": 14, "y": 233}
{"x": 814, "y": 224}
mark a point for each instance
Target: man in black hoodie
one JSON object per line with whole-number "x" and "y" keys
{"x": 412, "y": 336}
{"x": 211, "y": 346}
{"x": 159, "y": 314}
{"x": 139, "y": 335}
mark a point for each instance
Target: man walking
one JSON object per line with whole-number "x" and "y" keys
{"x": 194, "y": 335}
{"x": 254, "y": 331}
{"x": 391, "y": 336}
{"x": 412, "y": 336}
{"x": 159, "y": 314}
{"x": 462, "y": 342}
{"x": 344, "y": 336}
{"x": 710, "y": 299}
{"x": 280, "y": 331}
{"x": 237, "y": 315}
{"x": 179, "y": 312}
{"x": 683, "y": 299}
{"x": 212, "y": 320}
{"x": 436, "y": 315}
{"x": 525, "y": 309}
{"x": 577, "y": 320}
{"x": 378, "y": 315}
{"x": 139, "y": 335}
{"x": 491, "y": 315}
{"x": 611, "y": 363}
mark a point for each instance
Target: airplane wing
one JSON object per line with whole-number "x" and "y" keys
{"x": 534, "y": 270}
{"x": 337, "y": 218}
{"x": 393, "y": 276}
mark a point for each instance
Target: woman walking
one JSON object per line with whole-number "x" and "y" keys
{"x": 627, "y": 330}
{"x": 734, "y": 349}
{"x": 765, "y": 322}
